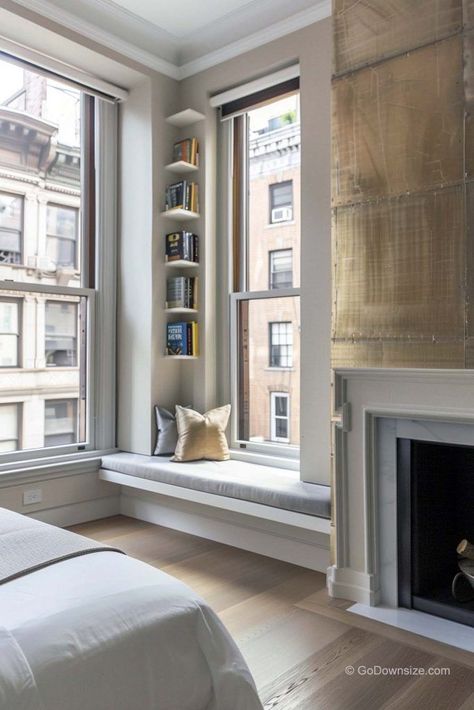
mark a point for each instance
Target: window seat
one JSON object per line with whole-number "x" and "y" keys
{"x": 226, "y": 484}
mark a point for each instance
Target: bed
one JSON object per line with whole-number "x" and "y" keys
{"x": 104, "y": 631}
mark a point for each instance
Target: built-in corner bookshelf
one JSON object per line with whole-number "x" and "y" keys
{"x": 181, "y": 245}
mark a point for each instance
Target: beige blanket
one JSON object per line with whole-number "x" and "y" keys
{"x": 27, "y": 545}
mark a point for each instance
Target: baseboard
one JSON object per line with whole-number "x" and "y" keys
{"x": 289, "y": 544}
{"x": 75, "y": 513}
{"x": 345, "y": 583}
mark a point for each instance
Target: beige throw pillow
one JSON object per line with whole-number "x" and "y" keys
{"x": 202, "y": 436}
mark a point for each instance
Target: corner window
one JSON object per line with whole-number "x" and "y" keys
{"x": 11, "y": 226}
{"x": 9, "y": 427}
{"x": 280, "y": 416}
{"x": 265, "y": 143}
{"x": 281, "y": 268}
{"x": 61, "y": 235}
{"x": 281, "y": 202}
{"x": 9, "y": 332}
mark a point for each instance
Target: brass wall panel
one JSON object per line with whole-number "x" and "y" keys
{"x": 398, "y": 126}
{"x": 400, "y": 269}
{"x": 399, "y": 354}
{"x": 369, "y": 30}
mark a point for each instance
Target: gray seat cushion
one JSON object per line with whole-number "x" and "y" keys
{"x": 234, "y": 479}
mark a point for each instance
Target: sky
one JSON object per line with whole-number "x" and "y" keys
{"x": 11, "y": 79}
{"x": 259, "y": 117}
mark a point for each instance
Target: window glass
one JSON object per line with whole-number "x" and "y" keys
{"x": 9, "y": 332}
{"x": 281, "y": 344}
{"x": 281, "y": 202}
{"x": 281, "y": 268}
{"x": 9, "y": 415}
{"x": 279, "y": 408}
{"x": 11, "y": 221}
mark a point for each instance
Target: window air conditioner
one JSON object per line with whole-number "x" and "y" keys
{"x": 282, "y": 214}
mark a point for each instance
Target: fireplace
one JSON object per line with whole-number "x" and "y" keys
{"x": 435, "y": 511}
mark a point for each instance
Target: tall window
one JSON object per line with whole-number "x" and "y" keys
{"x": 281, "y": 344}
{"x": 11, "y": 225}
{"x": 62, "y": 231}
{"x": 9, "y": 332}
{"x": 281, "y": 268}
{"x": 281, "y": 202}
{"x": 47, "y": 262}
{"x": 280, "y": 416}
{"x": 9, "y": 427}
{"x": 265, "y": 326}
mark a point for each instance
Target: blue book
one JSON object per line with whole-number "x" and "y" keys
{"x": 177, "y": 339}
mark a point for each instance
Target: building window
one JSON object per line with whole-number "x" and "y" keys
{"x": 61, "y": 334}
{"x": 281, "y": 344}
{"x": 61, "y": 233}
{"x": 281, "y": 201}
{"x": 11, "y": 226}
{"x": 281, "y": 268}
{"x": 280, "y": 416}
{"x": 60, "y": 422}
{"x": 9, "y": 427}
{"x": 264, "y": 319}
{"x": 9, "y": 332}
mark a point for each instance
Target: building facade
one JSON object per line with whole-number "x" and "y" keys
{"x": 41, "y": 378}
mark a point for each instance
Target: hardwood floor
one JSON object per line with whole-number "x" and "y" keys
{"x": 298, "y": 642}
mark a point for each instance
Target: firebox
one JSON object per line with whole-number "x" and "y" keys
{"x": 435, "y": 511}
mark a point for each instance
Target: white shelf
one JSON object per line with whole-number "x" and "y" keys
{"x": 179, "y": 214}
{"x": 182, "y": 167}
{"x": 182, "y": 357}
{"x": 181, "y": 310}
{"x": 185, "y": 118}
{"x": 182, "y": 263}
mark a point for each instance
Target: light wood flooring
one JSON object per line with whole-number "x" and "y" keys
{"x": 298, "y": 642}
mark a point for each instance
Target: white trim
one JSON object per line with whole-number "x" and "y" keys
{"x": 82, "y": 512}
{"x": 251, "y": 87}
{"x": 65, "y": 70}
{"x": 279, "y": 542}
{"x": 346, "y": 583}
{"x": 263, "y": 512}
{"x": 320, "y": 10}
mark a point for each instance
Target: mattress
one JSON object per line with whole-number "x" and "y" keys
{"x": 108, "y": 632}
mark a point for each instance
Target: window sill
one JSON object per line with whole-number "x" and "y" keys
{"x": 280, "y": 369}
{"x": 273, "y": 225}
{"x": 288, "y": 464}
{"x": 21, "y": 471}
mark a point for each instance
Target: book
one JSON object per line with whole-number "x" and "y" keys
{"x": 182, "y": 245}
{"x": 186, "y": 150}
{"x": 181, "y": 292}
{"x": 183, "y": 195}
{"x": 177, "y": 338}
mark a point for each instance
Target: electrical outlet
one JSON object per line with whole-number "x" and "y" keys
{"x": 34, "y": 495}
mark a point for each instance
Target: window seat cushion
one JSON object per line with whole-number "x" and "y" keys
{"x": 235, "y": 479}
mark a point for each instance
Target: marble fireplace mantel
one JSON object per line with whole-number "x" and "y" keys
{"x": 371, "y": 409}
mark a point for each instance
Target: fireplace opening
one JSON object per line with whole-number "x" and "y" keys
{"x": 435, "y": 511}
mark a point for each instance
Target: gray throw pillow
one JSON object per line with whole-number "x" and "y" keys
{"x": 167, "y": 436}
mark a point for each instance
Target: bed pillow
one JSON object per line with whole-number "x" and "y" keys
{"x": 202, "y": 436}
{"x": 167, "y": 436}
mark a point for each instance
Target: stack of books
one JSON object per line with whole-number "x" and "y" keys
{"x": 183, "y": 195}
{"x": 182, "y": 245}
{"x": 182, "y": 338}
{"x": 186, "y": 150}
{"x": 181, "y": 292}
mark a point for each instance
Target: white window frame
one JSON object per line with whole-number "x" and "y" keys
{"x": 101, "y": 310}
{"x": 272, "y": 255}
{"x": 287, "y": 345}
{"x": 274, "y": 417}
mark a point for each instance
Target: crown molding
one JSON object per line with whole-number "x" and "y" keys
{"x": 107, "y": 39}
{"x": 320, "y": 10}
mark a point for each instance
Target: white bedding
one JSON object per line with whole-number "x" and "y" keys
{"x": 107, "y": 632}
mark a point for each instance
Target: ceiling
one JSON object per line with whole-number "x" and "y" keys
{"x": 182, "y": 38}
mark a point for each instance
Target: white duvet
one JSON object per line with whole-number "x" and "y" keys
{"x": 107, "y": 632}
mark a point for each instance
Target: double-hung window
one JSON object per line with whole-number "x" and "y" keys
{"x": 264, "y": 142}
{"x": 56, "y": 294}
